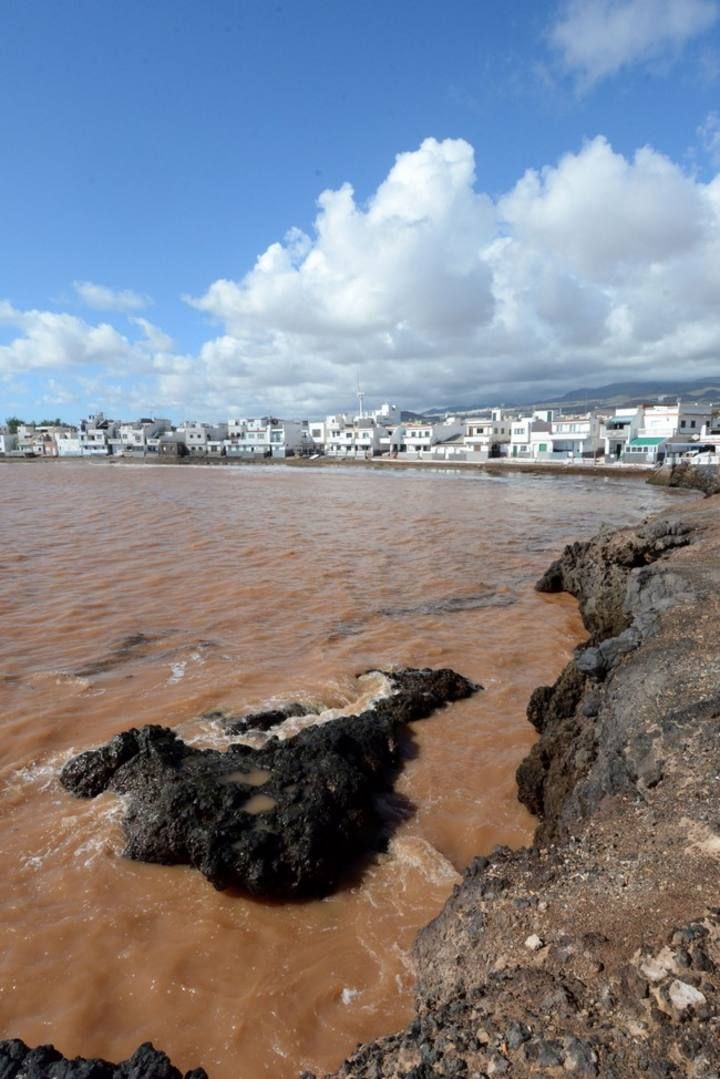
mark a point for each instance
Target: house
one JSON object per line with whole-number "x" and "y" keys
{"x": 644, "y": 450}
{"x": 620, "y": 429}
{"x": 358, "y": 437}
{"x": 98, "y": 436}
{"x": 8, "y": 442}
{"x": 530, "y": 436}
{"x": 171, "y": 447}
{"x": 579, "y": 435}
{"x": 40, "y": 440}
{"x": 136, "y": 436}
{"x": 658, "y": 423}
{"x": 419, "y": 436}
{"x": 487, "y": 435}
{"x": 266, "y": 436}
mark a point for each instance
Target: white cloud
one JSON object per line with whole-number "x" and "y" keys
{"x": 596, "y": 38}
{"x": 433, "y": 293}
{"x": 51, "y": 340}
{"x": 102, "y": 298}
{"x": 155, "y": 338}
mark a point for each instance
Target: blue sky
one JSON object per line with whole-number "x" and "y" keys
{"x": 153, "y": 154}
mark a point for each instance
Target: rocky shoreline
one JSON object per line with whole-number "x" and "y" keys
{"x": 596, "y": 952}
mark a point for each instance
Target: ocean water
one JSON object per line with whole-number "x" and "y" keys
{"x": 151, "y": 594}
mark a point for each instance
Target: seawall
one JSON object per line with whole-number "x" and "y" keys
{"x": 597, "y": 951}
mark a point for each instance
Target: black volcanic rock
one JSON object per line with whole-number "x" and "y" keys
{"x": 18, "y": 1061}
{"x": 266, "y": 719}
{"x": 288, "y": 820}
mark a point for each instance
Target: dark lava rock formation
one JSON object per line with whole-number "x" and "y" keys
{"x": 597, "y": 951}
{"x": 17, "y": 1061}
{"x": 288, "y": 820}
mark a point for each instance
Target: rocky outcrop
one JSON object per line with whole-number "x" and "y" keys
{"x": 597, "y": 951}
{"x": 705, "y": 478}
{"x": 288, "y": 820}
{"x": 17, "y": 1061}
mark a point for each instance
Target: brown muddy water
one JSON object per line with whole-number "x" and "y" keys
{"x": 134, "y": 595}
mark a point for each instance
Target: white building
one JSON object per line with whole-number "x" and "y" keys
{"x": 657, "y": 423}
{"x": 266, "y": 436}
{"x": 346, "y": 437}
{"x": 8, "y": 442}
{"x": 620, "y": 429}
{"x": 97, "y": 436}
{"x": 578, "y": 436}
{"x": 530, "y": 436}
{"x": 136, "y": 436}
{"x": 419, "y": 436}
{"x": 487, "y": 435}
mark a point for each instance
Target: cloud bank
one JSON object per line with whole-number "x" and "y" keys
{"x": 596, "y": 38}
{"x": 596, "y": 267}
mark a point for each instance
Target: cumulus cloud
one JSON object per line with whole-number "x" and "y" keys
{"x": 432, "y": 292}
{"x": 596, "y": 38}
{"x": 102, "y": 298}
{"x": 50, "y": 340}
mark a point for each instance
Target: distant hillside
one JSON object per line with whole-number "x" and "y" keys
{"x": 613, "y": 395}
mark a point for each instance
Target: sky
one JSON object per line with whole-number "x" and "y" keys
{"x": 248, "y": 208}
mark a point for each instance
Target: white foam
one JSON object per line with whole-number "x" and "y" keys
{"x": 349, "y": 994}
{"x": 416, "y": 853}
{"x": 178, "y": 672}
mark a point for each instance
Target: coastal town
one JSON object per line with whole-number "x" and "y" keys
{"x": 643, "y": 434}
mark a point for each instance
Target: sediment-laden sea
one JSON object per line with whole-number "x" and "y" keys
{"x": 159, "y": 595}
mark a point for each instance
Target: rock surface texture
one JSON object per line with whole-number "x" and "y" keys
{"x": 705, "y": 478}
{"x": 288, "y": 820}
{"x": 17, "y": 1061}
{"x": 597, "y": 951}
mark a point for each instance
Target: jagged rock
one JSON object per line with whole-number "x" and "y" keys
{"x": 18, "y": 1061}
{"x": 265, "y": 720}
{"x": 288, "y": 820}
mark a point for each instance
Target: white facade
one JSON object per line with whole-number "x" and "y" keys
{"x": 578, "y": 436}
{"x": 96, "y": 434}
{"x": 317, "y": 431}
{"x": 530, "y": 437}
{"x": 620, "y": 429}
{"x": 69, "y": 445}
{"x": 8, "y": 442}
{"x": 352, "y": 438}
{"x": 487, "y": 435}
{"x": 135, "y": 436}
{"x": 420, "y": 436}
{"x": 678, "y": 419}
{"x": 265, "y": 436}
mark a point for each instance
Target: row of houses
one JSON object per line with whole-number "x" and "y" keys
{"x": 642, "y": 434}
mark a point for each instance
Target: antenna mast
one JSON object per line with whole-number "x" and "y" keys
{"x": 360, "y": 394}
